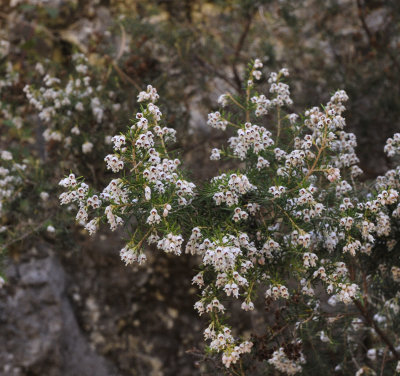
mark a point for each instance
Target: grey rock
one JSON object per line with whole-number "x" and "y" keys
{"x": 39, "y": 333}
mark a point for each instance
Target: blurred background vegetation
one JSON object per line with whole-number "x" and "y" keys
{"x": 191, "y": 51}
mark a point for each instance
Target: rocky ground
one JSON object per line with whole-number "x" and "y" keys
{"x": 85, "y": 313}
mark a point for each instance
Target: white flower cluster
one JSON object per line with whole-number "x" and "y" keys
{"x": 223, "y": 100}
{"x": 114, "y": 163}
{"x": 142, "y": 148}
{"x": 58, "y": 104}
{"x": 119, "y": 141}
{"x": 171, "y": 244}
{"x": 229, "y": 190}
{"x": 390, "y": 179}
{"x": 239, "y": 214}
{"x": 255, "y": 72}
{"x": 270, "y": 250}
{"x": 221, "y": 255}
{"x": 277, "y": 192}
{"x": 215, "y": 120}
{"x": 345, "y": 149}
{"x": 224, "y": 341}
{"x": 392, "y": 146}
{"x": 276, "y": 292}
{"x": 215, "y": 154}
{"x": 162, "y": 175}
{"x": 113, "y": 220}
{"x": 11, "y": 179}
{"x": 280, "y": 91}
{"x": 154, "y": 217}
{"x": 128, "y": 256}
{"x": 115, "y": 192}
{"x": 232, "y": 355}
{"x": 4, "y": 48}
{"x": 352, "y": 247}
{"x": 262, "y": 104}
{"x": 309, "y": 259}
{"x": 251, "y": 137}
{"x": 285, "y": 365}
{"x": 347, "y": 292}
{"x": 149, "y": 95}
{"x": 10, "y": 76}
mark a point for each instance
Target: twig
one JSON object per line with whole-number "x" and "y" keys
{"x": 364, "y": 23}
{"x": 239, "y": 48}
{"x": 139, "y": 245}
{"x": 214, "y": 71}
{"x": 372, "y": 323}
{"x": 236, "y": 102}
{"x": 279, "y": 124}
{"x": 23, "y": 236}
{"x": 383, "y": 361}
{"x": 124, "y": 76}
{"x": 122, "y": 44}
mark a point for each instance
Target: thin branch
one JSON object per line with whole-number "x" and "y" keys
{"x": 23, "y": 236}
{"x": 372, "y": 323}
{"x": 361, "y": 16}
{"x": 371, "y": 37}
{"x": 122, "y": 44}
{"x": 383, "y": 362}
{"x": 214, "y": 71}
{"x": 239, "y": 48}
{"x": 124, "y": 76}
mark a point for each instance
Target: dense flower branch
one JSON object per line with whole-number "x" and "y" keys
{"x": 293, "y": 215}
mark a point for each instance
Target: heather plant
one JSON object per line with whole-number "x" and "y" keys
{"x": 15, "y": 170}
{"x": 290, "y": 221}
{"x": 76, "y": 113}
{"x": 52, "y": 113}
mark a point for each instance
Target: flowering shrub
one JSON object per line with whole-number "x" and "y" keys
{"x": 60, "y": 107}
{"x": 69, "y": 106}
{"x": 291, "y": 221}
{"x": 28, "y": 165}
{"x": 11, "y": 181}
